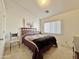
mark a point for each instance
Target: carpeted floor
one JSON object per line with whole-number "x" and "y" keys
{"x": 24, "y": 53}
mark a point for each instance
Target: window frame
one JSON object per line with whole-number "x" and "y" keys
{"x": 61, "y": 27}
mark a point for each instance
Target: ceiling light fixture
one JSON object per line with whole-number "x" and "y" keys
{"x": 47, "y": 11}
{"x": 43, "y": 2}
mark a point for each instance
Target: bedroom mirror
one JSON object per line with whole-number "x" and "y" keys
{"x": 53, "y": 27}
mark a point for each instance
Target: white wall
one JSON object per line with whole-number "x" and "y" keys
{"x": 70, "y": 25}
{"x": 15, "y": 16}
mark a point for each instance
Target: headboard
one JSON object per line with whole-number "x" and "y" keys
{"x": 28, "y": 31}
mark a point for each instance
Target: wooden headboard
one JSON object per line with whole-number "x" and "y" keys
{"x": 25, "y": 31}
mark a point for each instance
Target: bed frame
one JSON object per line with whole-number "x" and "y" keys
{"x": 37, "y": 54}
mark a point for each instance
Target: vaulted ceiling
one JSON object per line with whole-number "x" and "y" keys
{"x": 54, "y": 8}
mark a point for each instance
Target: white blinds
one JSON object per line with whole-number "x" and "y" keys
{"x": 47, "y": 27}
{"x": 53, "y": 27}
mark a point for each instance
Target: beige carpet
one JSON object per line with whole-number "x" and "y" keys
{"x": 24, "y": 53}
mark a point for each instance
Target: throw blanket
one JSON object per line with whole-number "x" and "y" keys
{"x": 45, "y": 41}
{"x": 39, "y": 45}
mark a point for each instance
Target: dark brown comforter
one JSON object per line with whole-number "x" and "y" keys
{"x": 43, "y": 44}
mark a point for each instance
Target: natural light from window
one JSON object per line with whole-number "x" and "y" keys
{"x": 53, "y": 27}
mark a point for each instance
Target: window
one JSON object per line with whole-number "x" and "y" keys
{"x": 47, "y": 27}
{"x": 53, "y": 27}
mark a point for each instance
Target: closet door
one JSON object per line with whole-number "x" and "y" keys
{"x": 0, "y": 26}
{"x": 2, "y": 19}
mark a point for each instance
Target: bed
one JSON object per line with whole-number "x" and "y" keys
{"x": 39, "y": 43}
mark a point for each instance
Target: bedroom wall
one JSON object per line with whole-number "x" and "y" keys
{"x": 15, "y": 15}
{"x": 70, "y": 27}
{"x": 14, "y": 22}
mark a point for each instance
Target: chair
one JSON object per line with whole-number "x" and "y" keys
{"x": 14, "y": 38}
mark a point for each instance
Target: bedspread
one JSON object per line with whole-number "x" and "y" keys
{"x": 39, "y": 45}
